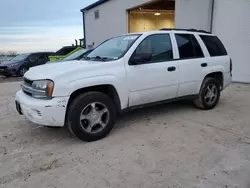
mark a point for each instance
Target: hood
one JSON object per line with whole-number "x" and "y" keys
{"x": 53, "y": 70}
{"x": 6, "y": 63}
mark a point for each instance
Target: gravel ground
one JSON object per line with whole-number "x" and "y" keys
{"x": 166, "y": 146}
{"x": 4, "y": 79}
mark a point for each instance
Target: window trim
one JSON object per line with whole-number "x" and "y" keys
{"x": 151, "y": 62}
{"x": 188, "y": 58}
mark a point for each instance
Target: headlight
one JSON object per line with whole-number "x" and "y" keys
{"x": 42, "y": 89}
{"x": 13, "y": 65}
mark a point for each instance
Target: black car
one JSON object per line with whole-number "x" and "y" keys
{"x": 21, "y": 63}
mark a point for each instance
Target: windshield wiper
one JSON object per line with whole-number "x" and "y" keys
{"x": 96, "y": 58}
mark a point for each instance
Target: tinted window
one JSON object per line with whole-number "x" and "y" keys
{"x": 43, "y": 56}
{"x": 214, "y": 45}
{"x": 188, "y": 46}
{"x": 158, "y": 47}
{"x": 34, "y": 57}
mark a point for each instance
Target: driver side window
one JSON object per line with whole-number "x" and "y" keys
{"x": 33, "y": 58}
{"x": 153, "y": 49}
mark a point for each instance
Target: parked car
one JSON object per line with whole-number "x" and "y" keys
{"x": 21, "y": 63}
{"x": 123, "y": 73}
{"x": 75, "y": 56}
{"x": 64, "y": 52}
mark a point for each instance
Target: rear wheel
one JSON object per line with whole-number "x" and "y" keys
{"x": 209, "y": 95}
{"x": 91, "y": 116}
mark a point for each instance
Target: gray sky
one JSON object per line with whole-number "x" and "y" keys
{"x": 37, "y": 25}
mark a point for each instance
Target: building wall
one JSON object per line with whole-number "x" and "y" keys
{"x": 113, "y": 20}
{"x": 194, "y": 14}
{"x": 145, "y": 21}
{"x": 232, "y": 24}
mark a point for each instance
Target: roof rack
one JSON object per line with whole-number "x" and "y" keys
{"x": 192, "y": 30}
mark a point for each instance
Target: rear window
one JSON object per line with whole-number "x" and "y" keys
{"x": 214, "y": 45}
{"x": 188, "y": 46}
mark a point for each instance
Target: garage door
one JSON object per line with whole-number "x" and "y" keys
{"x": 232, "y": 24}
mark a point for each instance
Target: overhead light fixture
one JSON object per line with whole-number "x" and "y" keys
{"x": 157, "y": 14}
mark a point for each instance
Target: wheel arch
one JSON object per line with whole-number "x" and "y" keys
{"x": 107, "y": 89}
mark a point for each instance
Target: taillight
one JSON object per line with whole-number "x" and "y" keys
{"x": 231, "y": 66}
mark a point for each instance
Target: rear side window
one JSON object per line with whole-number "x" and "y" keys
{"x": 214, "y": 45}
{"x": 188, "y": 46}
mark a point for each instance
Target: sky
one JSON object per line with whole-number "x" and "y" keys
{"x": 40, "y": 25}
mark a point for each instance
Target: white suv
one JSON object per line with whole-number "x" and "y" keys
{"x": 126, "y": 72}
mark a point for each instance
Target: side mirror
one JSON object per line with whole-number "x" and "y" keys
{"x": 140, "y": 58}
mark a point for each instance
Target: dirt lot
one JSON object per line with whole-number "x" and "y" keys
{"x": 172, "y": 145}
{"x": 4, "y": 79}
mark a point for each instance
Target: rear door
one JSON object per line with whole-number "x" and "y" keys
{"x": 191, "y": 61}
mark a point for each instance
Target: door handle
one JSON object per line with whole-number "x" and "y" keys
{"x": 204, "y": 65}
{"x": 171, "y": 69}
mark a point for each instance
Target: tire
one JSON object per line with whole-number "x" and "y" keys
{"x": 22, "y": 71}
{"x": 209, "y": 95}
{"x": 82, "y": 113}
{"x": 7, "y": 75}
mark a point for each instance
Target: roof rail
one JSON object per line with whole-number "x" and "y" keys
{"x": 192, "y": 30}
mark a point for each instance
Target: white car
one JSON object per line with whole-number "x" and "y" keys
{"x": 125, "y": 72}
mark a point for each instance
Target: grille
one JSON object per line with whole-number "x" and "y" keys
{"x": 3, "y": 67}
{"x": 27, "y": 82}
{"x": 27, "y": 86}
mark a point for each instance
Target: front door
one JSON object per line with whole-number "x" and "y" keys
{"x": 152, "y": 75}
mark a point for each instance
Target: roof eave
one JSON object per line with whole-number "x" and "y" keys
{"x": 94, "y": 5}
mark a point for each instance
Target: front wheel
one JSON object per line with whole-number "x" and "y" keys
{"x": 23, "y": 70}
{"x": 209, "y": 95}
{"x": 91, "y": 116}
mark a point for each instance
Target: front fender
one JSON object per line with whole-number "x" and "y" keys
{"x": 68, "y": 88}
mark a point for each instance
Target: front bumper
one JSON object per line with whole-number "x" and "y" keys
{"x": 7, "y": 72}
{"x": 43, "y": 112}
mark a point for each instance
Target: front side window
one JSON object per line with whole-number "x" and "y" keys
{"x": 34, "y": 57}
{"x": 113, "y": 49}
{"x": 155, "y": 48}
{"x": 214, "y": 45}
{"x": 188, "y": 46}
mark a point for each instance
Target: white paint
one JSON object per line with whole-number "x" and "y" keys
{"x": 232, "y": 25}
{"x": 193, "y": 14}
{"x": 136, "y": 84}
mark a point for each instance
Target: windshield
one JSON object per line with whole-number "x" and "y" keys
{"x": 20, "y": 57}
{"x": 75, "y": 55}
{"x": 113, "y": 48}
